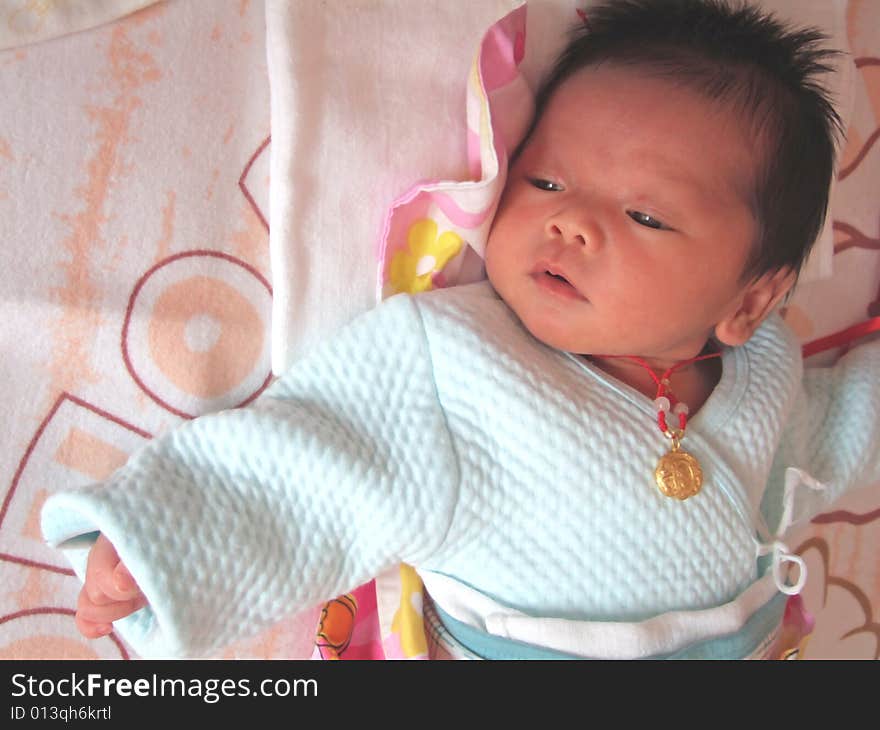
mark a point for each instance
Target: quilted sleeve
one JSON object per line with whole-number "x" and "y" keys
{"x": 340, "y": 470}
{"x": 832, "y": 441}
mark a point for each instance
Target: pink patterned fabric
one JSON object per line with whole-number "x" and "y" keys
{"x": 429, "y": 228}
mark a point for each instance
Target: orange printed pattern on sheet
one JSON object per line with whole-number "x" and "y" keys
{"x": 129, "y": 70}
{"x": 89, "y": 455}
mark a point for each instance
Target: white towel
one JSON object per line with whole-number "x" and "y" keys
{"x": 367, "y": 98}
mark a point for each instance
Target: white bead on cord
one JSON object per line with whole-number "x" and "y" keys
{"x": 662, "y": 404}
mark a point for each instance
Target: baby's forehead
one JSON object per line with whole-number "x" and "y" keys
{"x": 727, "y": 99}
{"x": 741, "y": 101}
{"x": 655, "y": 124}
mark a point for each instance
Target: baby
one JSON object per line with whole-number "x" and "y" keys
{"x": 598, "y": 435}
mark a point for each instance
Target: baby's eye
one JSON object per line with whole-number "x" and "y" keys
{"x": 547, "y": 185}
{"x": 646, "y": 220}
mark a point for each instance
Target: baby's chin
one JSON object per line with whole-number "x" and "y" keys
{"x": 543, "y": 326}
{"x": 552, "y": 336}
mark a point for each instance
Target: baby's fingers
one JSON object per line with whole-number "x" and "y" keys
{"x": 95, "y": 620}
{"x": 107, "y": 579}
{"x": 91, "y": 630}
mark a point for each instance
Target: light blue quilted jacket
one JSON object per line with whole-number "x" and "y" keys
{"x": 436, "y": 431}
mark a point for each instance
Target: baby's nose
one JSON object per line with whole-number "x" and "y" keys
{"x": 567, "y": 233}
{"x": 575, "y": 228}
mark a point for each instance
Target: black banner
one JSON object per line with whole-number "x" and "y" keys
{"x": 124, "y": 691}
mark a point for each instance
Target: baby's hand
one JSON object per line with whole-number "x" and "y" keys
{"x": 109, "y": 593}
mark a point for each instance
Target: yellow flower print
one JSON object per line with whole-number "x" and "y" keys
{"x": 408, "y": 621}
{"x": 412, "y": 269}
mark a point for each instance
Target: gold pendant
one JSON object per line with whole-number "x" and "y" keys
{"x": 678, "y": 474}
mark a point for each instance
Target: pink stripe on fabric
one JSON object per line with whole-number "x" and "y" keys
{"x": 459, "y": 217}
{"x": 503, "y": 49}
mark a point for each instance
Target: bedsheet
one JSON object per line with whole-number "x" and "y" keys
{"x": 138, "y": 281}
{"x": 136, "y": 286}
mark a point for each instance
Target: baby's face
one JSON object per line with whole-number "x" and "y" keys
{"x": 625, "y": 224}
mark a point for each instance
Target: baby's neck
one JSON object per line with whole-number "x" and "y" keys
{"x": 692, "y": 384}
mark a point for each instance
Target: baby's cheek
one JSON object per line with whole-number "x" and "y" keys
{"x": 646, "y": 286}
{"x": 501, "y": 242}
{"x": 492, "y": 257}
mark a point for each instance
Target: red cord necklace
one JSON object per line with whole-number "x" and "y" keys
{"x": 678, "y": 473}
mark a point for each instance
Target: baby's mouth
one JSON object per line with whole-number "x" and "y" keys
{"x": 557, "y": 284}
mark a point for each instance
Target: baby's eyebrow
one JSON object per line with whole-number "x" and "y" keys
{"x": 714, "y": 191}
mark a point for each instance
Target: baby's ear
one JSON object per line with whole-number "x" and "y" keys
{"x": 755, "y": 302}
